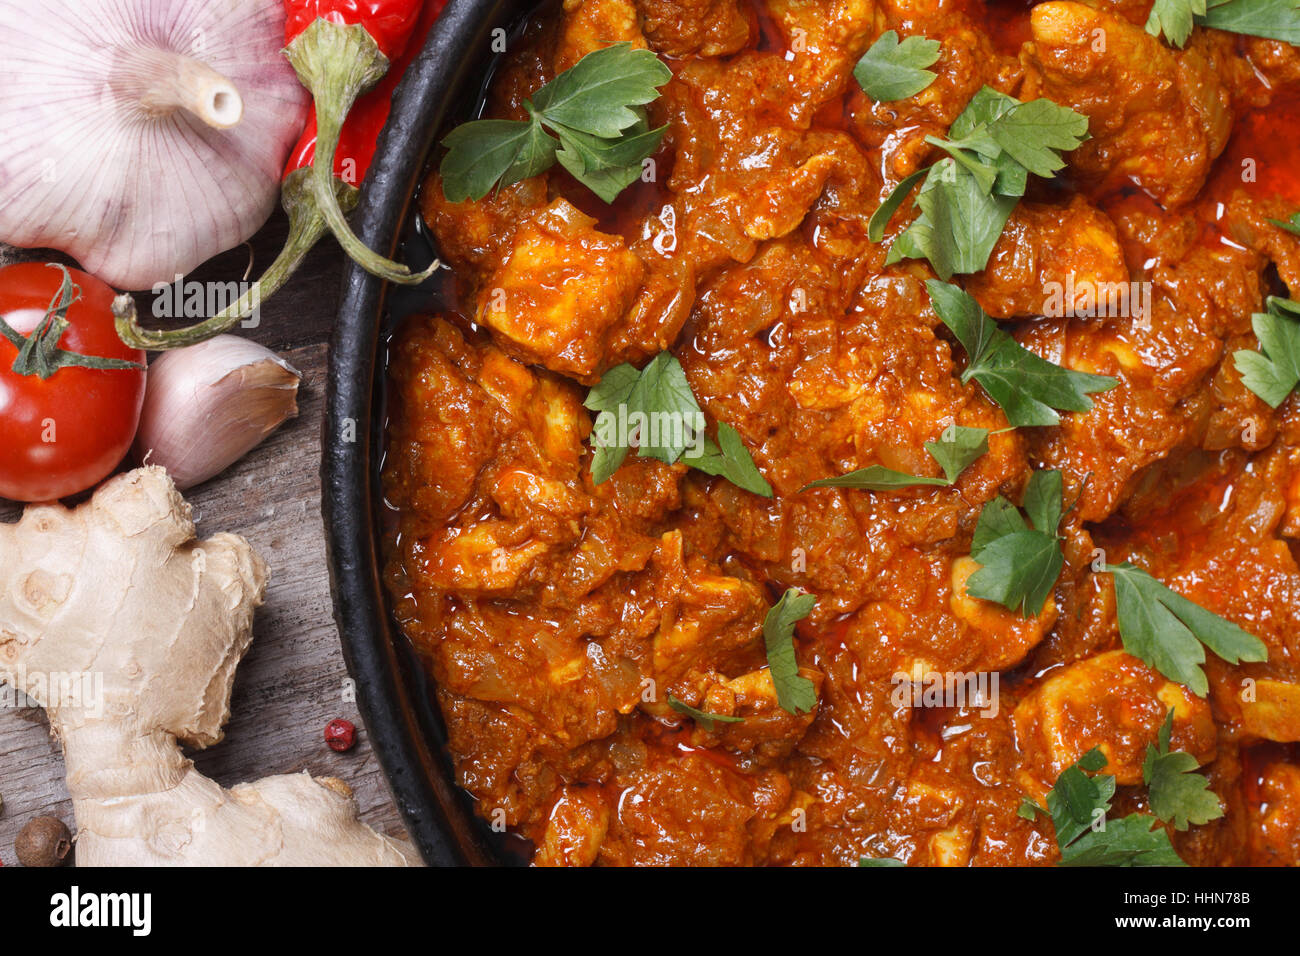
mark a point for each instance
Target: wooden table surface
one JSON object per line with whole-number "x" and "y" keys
{"x": 293, "y": 681}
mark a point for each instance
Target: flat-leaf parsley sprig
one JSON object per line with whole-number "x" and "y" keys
{"x": 670, "y": 425}
{"x": 1028, "y": 388}
{"x": 957, "y": 448}
{"x": 966, "y": 198}
{"x": 891, "y": 70}
{"x": 1169, "y": 633}
{"x": 590, "y": 119}
{"x": 1272, "y": 19}
{"x": 1177, "y": 794}
{"x": 1273, "y": 372}
{"x": 1077, "y": 807}
{"x": 1019, "y": 563}
{"x": 795, "y": 693}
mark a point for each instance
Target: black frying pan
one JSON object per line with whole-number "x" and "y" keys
{"x": 392, "y": 691}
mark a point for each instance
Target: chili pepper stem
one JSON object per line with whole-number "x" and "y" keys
{"x": 338, "y": 63}
{"x": 306, "y": 227}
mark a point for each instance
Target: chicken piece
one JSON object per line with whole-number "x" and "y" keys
{"x": 1161, "y": 359}
{"x": 441, "y": 421}
{"x": 766, "y": 730}
{"x": 1245, "y": 218}
{"x": 664, "y": 302}
{"x": 590, "y": 25}
{"x": 472, "y": 235}
{"x": 1157, "y": 117}
{"x": 824, "y": 39}
{"x": 574, "y": 831}
{"x": 942, "y": 820}
{"x": 1276, "y": 60}
{"x": 1274, "y": 714}
{"x": 485, "y": 559}
{"x": 689, "y": 808}
{"x": 558, "y": 292}
{"x": 1234, "y": 565}
{"x": 551, "y": 411}
{"x": 1290, "y": 527}
{"x": 528, "y": 489}
{"x": 836, "y": 33}
{"x": 708, "y": 619}
{"x": 1134, "y": 11}
{"x": 1275, "y": 823}
{"x": 746, "y": 165}
{"x": 1112, "y": 701}
{"x": 1054, "y": 261}
{"x": 545, "y": 672}
{"x": 1007, "y": 636}
{"x": 703, "y": 27}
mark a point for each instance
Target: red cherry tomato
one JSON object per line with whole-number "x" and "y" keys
{"x": 62, "y": 434}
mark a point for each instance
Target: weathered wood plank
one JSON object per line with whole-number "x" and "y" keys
{"x": 292, "y": 682}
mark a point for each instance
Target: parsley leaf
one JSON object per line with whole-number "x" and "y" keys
{"x": 654, "y": 409}
{"x": 958, "y": 448}
{"x": 1034, "y": 134}
{"x": 704, "y": 718}
{"x": 1178, "y": 795}
{"x": 967, "y": 197}
{"x": 595, "y": 111}
{"x": 880, "y": 861}
{"x": 728, "y": 458}
{"x": 885, "y": 211}
{"x": 894, "y": 71}
{"x": 959, "y": 224}
{"x": 1077, "y": 807}
{"x": 1134, "y": 840}
{"x": 875, "y": 478}
{"x": 607, "y": 166}
{"x": 1167, "y": 631}
{"x": 795, "y": 693}
{"x": 1174, "y": 19}
{"x": 955, "y": 450}
{"x": 1078, "y": 801}
{"x": 1026, "y": 386}
{"x": 1272, "y": 19}
{"x": 1274, "y": 371}
{"x": 596, "y": 94}
{"x": 1291, "y": 225}
{"x": 484, "y": 152}
{"x": 1019, "y": 564}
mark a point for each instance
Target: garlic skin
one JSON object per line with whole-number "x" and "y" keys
{"x": 208, "y": 405}
{"x": 143, "y": 137}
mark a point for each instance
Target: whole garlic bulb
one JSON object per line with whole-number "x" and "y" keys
{"x": 142, "y": 137}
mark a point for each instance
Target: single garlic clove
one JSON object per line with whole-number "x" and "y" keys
{"x": 208, "y": 405}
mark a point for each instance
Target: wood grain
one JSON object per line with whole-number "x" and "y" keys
{"x": 293, "y": 681}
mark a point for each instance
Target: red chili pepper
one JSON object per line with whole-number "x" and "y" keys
{"x": 366, "y": 119}
{"x": 337, "y": 57}
{"x": 389, "y": 22}
{"x": 339, "y": 49}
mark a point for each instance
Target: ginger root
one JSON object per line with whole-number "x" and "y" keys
{"x": 128, "y": 632}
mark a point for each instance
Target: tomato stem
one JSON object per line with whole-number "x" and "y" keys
{"x": 39, "y": 353}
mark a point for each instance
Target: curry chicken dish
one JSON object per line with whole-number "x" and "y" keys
{"x": 1043, "y": 387}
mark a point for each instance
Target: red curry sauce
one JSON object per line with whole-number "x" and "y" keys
{"x": 557, "y": 616}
